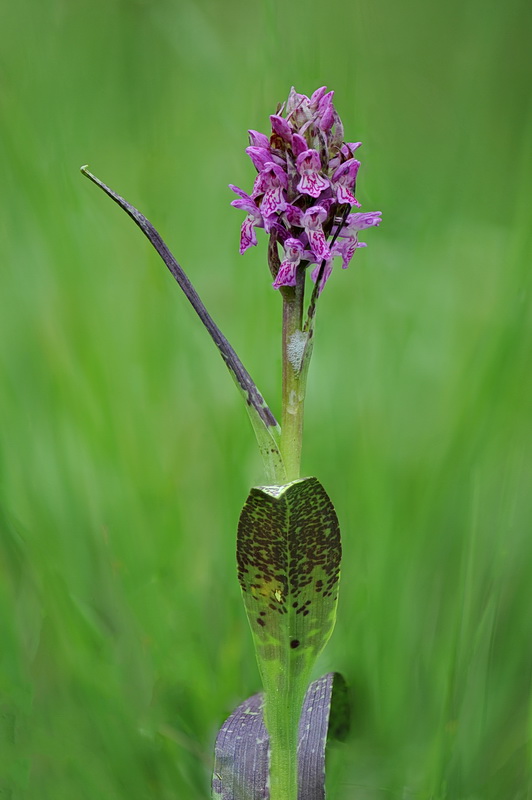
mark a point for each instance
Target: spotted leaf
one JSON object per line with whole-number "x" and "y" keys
{"x": 288, "y": 552}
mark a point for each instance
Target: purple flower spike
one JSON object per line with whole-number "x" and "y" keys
{"x": 287, "y": 271}
{"x": 305, "y": 186}
{"x": 309, "y": 165}
{"x": 343, "y": 182}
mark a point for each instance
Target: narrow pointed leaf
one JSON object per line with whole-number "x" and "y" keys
{"x": 288, "y": 552}
{"x": 241, "y": 752}
{"x": 264, "y": 423}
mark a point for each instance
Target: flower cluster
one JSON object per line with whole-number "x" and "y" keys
{"x": 305, "y": 189}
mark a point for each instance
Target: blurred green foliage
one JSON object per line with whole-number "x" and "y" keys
{"x": 126, "y": 454}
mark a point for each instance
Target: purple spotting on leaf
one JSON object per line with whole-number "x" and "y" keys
{"x": 305, "y": 188}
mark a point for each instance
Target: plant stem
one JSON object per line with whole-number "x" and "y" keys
{"x": 294, "y": 383}
{"x": 283, "y": 700}
{"x": 283, "y": 724}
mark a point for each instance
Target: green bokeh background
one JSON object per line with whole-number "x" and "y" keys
{"x": 126, "y": 453}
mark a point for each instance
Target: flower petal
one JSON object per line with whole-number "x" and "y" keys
{"x": 319, "y": 245}
{"x": 317, "y": 96}
{"x": 308, "y": 165}
{"x": 257, "y": 139}
{"x": 299, "y": 144}
{"x": 286, "y": 275}
{"x": 273, "y": 201}
{"x": 246, "y": 204}
{"x": 360, "y": 221}
{"x": 344, "y": 180}
{"x": 247, "y": 234}
{"x": 239, "y": 192}
{"x": 260, "y": 156}
{"x": 281, "y": 127}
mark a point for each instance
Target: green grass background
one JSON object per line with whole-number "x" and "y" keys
{"x": 126, "y": 453}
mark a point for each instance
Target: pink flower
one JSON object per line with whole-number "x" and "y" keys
{"x": 344, "y": 180}
{"x": 271, "y": 182}
{"x": 312, "y": 221}
{"x": 253, "y": 220}
{"x": 309, "y": 165}
{"x": 286, "y": 276}
{"x": 360, "y": 221}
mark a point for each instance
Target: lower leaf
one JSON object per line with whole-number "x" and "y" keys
{"x": 288, "y": 552}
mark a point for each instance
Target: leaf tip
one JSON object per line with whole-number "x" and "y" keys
{"x": 85, "y": 171}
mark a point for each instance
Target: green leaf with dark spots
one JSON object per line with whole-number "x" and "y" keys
{"x": 288, "y": 554}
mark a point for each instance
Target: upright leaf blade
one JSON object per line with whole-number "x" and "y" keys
{"x": 288, "y": 552}
{"x": 264, "y": 424}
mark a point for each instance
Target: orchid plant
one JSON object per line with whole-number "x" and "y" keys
{"x": 288, "y": 539}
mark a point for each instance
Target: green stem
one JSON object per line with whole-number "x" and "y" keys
{"x": 282, "y": 723}
{"x": 294, "y": 383}
{"x": 283, "y": 703}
